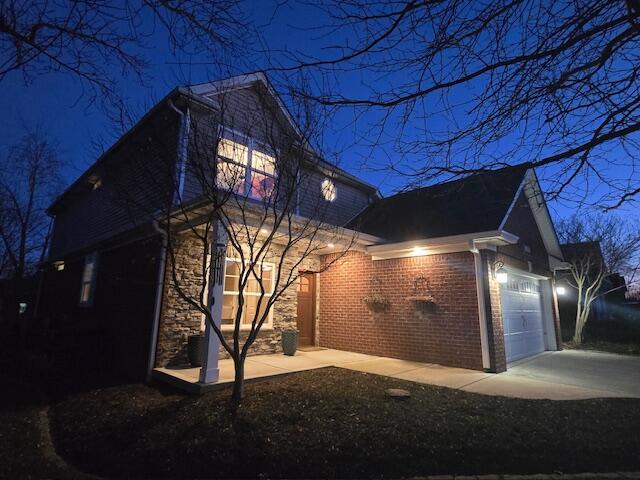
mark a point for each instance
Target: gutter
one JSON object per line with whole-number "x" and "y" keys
{"x": 449, "y": 244}
{"x": 157, "y": 309}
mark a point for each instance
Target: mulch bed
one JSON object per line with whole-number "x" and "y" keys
{"x": 340, "y": 423}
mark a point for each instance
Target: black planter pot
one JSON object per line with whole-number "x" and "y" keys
{"x": 195, "y": 350}
{"x": 289, "y": 342}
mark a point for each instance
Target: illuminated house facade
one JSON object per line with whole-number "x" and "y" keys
{"x": 459, "y": 273}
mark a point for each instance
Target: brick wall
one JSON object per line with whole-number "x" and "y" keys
{"x": 450, "y": 335}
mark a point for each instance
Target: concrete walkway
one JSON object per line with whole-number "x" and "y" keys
{"x": 567, "y": 375}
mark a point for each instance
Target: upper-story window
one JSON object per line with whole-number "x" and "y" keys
{"x": 329, "y": 191}
{"x": 246, "y": 169}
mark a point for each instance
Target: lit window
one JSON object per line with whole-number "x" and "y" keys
{"x": 329, "y": 191}
{"x": 59, "y": 266}
{"x": 252, "y": 293}
{"x": 95, "y": 181}
{"x": 245, "y": 169}
{"x": 88, "y": 284}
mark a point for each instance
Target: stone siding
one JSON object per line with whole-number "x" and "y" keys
{"x": 179, "y": 319}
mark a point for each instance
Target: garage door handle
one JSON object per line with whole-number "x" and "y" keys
{"x": 524, "y": 321}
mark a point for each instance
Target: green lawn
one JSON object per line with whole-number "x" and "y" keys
{"x": 339, "y": 423}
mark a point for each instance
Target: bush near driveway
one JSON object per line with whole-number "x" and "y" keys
{"x": 339, "y": 423}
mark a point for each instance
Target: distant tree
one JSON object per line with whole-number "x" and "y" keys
{"x": 98, "y": 42}
{"x": 29, "y": 181}
{"x": 461, "y": 86}
{"x": 609, "y": 245}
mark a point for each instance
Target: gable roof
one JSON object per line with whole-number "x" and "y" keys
{"x": 209, "y": 90}
{"x": 200, "y": 93}
{"x": 477, "y": 203}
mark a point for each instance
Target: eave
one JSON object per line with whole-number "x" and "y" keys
{"x": 450, "y": 244}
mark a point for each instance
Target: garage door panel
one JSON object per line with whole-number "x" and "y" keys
{"x": 522, "y": 317}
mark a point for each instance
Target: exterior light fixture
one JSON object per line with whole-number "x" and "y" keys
{"x": 264, "y": 231}
{"x": 418, "y": 251}
{"x": 500, "y": 273}
{"x": 560, "y": 290}
{"x": 330, "y": 245}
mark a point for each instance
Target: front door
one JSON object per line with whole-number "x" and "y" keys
{"x": 306, "y": 308}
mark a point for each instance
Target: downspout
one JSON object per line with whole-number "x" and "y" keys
{"x": 183, "y": 143}
{"x": 157, "y": 309}
{"x": 482, "y": 307}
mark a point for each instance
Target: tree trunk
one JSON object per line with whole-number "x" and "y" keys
{"x": 238, "y": 382}
{"x": 582, "y": 315}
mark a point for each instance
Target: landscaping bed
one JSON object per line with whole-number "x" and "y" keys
{"x": 614, "y": 335}
{"x": 339, "y": 423}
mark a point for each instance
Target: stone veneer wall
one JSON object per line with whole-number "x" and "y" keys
{"x": 179, "y": 320}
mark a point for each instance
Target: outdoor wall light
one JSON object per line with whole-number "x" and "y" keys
{"x": 560, "y": 290}
{"x": 501, "y": 273}
{"x": 330, "y": 245}
{"x": 264, "y": 231}
{"x": 419, "y": 251}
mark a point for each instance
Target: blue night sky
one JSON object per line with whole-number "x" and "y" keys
{"x": 54, "y": 101}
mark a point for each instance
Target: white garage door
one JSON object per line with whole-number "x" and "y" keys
{"x": 522, "y": 316}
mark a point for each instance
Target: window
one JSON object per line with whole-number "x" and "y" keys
{"x": 246, "y": 169}
{"x": 88, "y": 284}
{"x": 329, "y": 191}
{"x": 263, "y": 274}
{"x": 95, "y": 181}
{"x": 58, "y": 266}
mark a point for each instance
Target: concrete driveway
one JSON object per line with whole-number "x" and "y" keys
{"x": 568, "y": 374}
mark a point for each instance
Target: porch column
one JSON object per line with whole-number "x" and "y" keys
{"x": 209, "y": 372}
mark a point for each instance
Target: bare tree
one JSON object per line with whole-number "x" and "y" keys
{"x": 29, "y": 180}
{"x": 461, "y": 86}
{"x": 98, "y": 42}
{"x": 597, "y": 247}
{"x": 239, "y": 197}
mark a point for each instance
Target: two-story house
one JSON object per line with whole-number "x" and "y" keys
{"x": 465, "y": 268}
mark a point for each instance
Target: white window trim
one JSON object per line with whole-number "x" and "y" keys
{"x": 91, "y": 258}
{"x": 251, "y": 144}
{"x": 268, "y": 324}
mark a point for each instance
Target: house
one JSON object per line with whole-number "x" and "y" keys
{"x": 465, "y": 267}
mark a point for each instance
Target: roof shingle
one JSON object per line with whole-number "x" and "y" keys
{"x": 476, "y": 203}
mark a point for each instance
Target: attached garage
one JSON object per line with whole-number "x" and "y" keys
{"x": 523, "y": 314}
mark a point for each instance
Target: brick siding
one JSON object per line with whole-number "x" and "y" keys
{"x": 450, "y": 335}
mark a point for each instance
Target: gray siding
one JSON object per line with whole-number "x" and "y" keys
{"x": 348, "y": 203}
{"x": 137, "y": 180}
{"x": 251, "y": 112}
